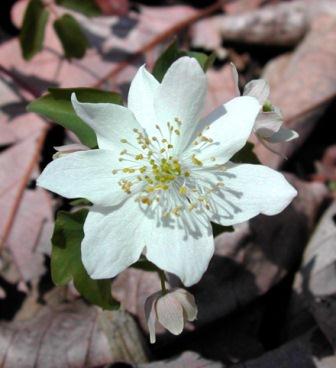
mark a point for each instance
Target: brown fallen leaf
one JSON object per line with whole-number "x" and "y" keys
{"x": 308, "y": 351}
{"x": 16, "y": 166}
{"x": 35, "y": 209}
{"x": 280, "y": 24}
{"x": 316, "y": 281}
{"x": 221, "y": 88}
{"x": 305, "y": 86}
{"x": 132, "y": 287}
{"x": 68, "y": 335}
{"x": 113, "y": 39}
{"x": 241, "y": 6}
{"x": 186, "y": 360}
{"x": 326, "y": 168}
{"x": 15, "y": 123}
{"x": 111, "y": 7}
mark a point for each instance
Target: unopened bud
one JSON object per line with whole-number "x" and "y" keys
{"x": 171, "y": 310}
{"x": 68, "y": 148}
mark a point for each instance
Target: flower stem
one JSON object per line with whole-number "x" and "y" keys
{"x": 163, "y": 281}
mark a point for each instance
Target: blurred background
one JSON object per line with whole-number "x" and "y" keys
{"x": 268, "y": 298}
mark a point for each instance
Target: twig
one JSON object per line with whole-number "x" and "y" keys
{"x": 34, "y": 92}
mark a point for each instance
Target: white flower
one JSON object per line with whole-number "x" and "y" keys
{"x": 171, "y": 310}
{"x": 162, "y": 173}
{"x": 268, "y": 125}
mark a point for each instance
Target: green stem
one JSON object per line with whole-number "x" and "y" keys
{"x": 163, "y": 281}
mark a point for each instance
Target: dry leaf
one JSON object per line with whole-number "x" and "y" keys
{"x": 221, "y": 88}
{"x": 15, "y": 123}
{"x": 316, "y": 280}
{"x": 113, "y": 40}
{"x": 187, "y": 360}
{"x": 309, "y": 351}
{"x": 113, "y": 7}
{"x": 326, "y": 168}
{"x": 280, "y": 24}
{"x": 306, "y": 85}
{"x": 16, "y": 165}
{"x": 242, "y": 6}
{"x": 69, "y": 335}
{"x": 34, "y": 211}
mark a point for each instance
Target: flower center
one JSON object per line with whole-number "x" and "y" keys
{"x": 165, "y": 179}
{"x": 152, "y": 160}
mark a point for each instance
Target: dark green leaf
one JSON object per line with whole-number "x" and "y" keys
{"x": 56, "y": 106}
{"x": 219, "y": 229}
{"x": 173, "y": 53}
{"x": 80, "y": 202}
{"x": 73, "y": 40}
{"x": 246, "y": 155}
{"x": 145, "y": 265}
{"x": 66, "y": 263}
{"x": 33, "y": 29}
{"x": 86, "y": 7}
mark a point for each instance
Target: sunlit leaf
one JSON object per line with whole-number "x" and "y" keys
{"x": 33, "y": 29}
{"x": 66, "y": 263}
{"x": 56, "y": 106}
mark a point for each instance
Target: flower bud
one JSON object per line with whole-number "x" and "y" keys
{"x": 68, "y": 148}
{"x": 171, "y": 310}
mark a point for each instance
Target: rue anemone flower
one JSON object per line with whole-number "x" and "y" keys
{"x": 268, "y": 125}
{"x": 162, "y": 174}
{"x": 171, "y": 309}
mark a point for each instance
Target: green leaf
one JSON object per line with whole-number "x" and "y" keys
{"x": 80, "y": 202}
{"x": 173, "y": 53}
{"x": 66, "y": 263}
{"x": 145, "y": 265}
{"x": 33, "y": 29}
{"x": 246, "y": 155}
{"x": 86, "y": 7}
{"x": 219, "y": 229}
{"x": 56, "y": 106}
{"x": 73, "y": 40}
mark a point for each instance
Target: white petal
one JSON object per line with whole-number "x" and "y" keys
{"x": 259, "y": 89}
{"x": 150, "y": 315}
{"x": 86, "y": 174}
{"x": 141, "y": 97}
{"x": 113, "y": 239}
{"x": 229, "y": 128}
{"x": 181, "y": 95}
{"x": 267, "y": 124}
{"x": 283, "y": 135}
{"x": 70, "y": 148}
{"x": 188, "y": 303}
{"x": 248, "y": 190}
{"x": 183, "y": 248}
{"x": 110, "y": 122}
{"x": 170, "y": 314}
